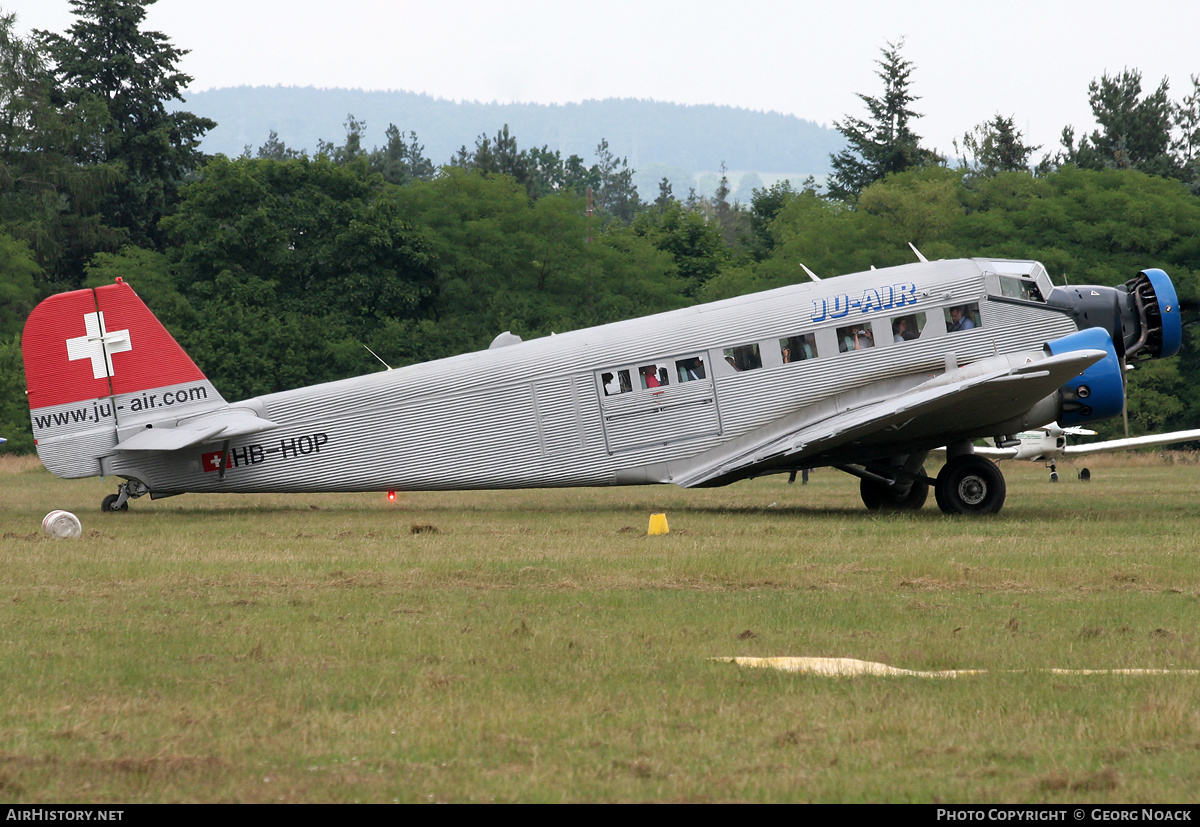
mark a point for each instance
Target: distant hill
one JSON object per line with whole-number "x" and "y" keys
{"x": 678, "y": 141}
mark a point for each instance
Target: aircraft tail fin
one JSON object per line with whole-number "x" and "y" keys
{"x": 99, "y": 364}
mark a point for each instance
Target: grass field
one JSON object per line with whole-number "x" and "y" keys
{"x": 537, "y": 646}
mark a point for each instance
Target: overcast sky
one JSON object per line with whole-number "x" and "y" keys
{"x": 1030, "y": 60}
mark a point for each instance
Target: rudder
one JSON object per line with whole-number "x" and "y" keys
{"x": 97, "y": 362}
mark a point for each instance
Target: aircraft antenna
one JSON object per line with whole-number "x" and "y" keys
{"x": 811, "y": 274}
{"x": 920, "y": 257}
{"x": 376, "y": 355}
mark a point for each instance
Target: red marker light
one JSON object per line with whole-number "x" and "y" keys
{"x": 391, "y": 496}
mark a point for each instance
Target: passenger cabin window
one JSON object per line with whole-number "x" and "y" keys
{"x": 798, "y": 348}
{"x": 1017, "y": 288}
{"x": 909, "y": 327}
{"x": 962, "y": 317}
{"x": 690, "y": 370}
{"x": 855, "y": 337}
{"x": 615, "y": 382}
{"x": 653, "y": 376}
{"x": 743, "y": 357}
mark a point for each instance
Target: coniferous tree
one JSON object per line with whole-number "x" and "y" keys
{"x": 50, "y": 188}
{"x": 1135, "y": 130}
{"x": 995, "y": 146}
{"x": 884, "y": 142}
{"x": 106, "y": 56}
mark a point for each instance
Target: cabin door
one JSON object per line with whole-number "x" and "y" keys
{"x": 658, "y": 403}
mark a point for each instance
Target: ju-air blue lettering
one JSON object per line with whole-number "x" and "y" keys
{"x": 873, "y": 299}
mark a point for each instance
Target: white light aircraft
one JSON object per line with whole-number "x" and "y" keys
{"x": 866, "y": 373}
{"x": 1049, "y": 445}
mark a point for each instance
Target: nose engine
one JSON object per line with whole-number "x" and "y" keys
{"x": 1159, "y": 329}
{"x": 1138, "y": 320}
{"x": 1141, "y": 316}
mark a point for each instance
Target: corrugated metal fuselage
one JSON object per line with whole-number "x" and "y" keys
{"x": 537, "y": 413}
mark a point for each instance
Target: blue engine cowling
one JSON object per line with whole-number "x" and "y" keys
{"x": 1098, "y": 392}
{"x": 1158, "y": 305}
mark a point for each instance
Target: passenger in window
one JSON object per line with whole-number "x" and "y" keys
{"x": 732, "y": 363}
{"x": 649, "y": 376}
{"x": 960, "y": 318}
{"x": 797, "y": 348}
{"x": 745, "y": 357}
{"x": 611, "y": 385}
{"x": 907, "y": 328}
{"x": 663, "y": 379}
{"x": 857, "y": 337}
{"x": 689, "y": 370}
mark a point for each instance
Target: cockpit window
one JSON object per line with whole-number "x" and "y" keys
{"x": 1017, "y": 288}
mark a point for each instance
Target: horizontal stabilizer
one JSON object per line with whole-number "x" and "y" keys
{"x": 223, "y": 424}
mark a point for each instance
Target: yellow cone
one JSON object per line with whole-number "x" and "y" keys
{"x": 658, "y": 524}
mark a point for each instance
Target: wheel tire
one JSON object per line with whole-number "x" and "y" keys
{"x": 1085, "y": 475}
{"x": 879, "y": 497}
{"x": 970, "y": 484}
{"x": 1053, "y": 476}
{"x": 106, "y": 505}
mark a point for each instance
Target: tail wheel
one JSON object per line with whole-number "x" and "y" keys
{"x": 1085, "y": 474}
{"x": 970, "y": 484}
{"x": 879, "y": 497}
{"x": 108, "y": 503}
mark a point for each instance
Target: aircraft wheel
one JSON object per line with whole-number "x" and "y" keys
{"x": 106, "y": 505}
{"x": 1053, "y": 476}
{"x": 970, "y": 484}
{"x": 879, "y": 497}
{"x": 1085, "y": 474}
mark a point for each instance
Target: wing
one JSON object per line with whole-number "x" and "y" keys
{"x": 961, "y": 401}
{"x": 983, "y": 451}
{"x": 225, "y": 423}
{"x": 1132, "y": 442}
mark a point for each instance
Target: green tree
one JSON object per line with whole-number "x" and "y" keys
{"x": 617, "y": 194}
{"x": 290, "y": 266}
{"x": 1187, "y": 144}
{"x": 883, "y": 143}
{"x": 1135, "y": 129}
{"x": 50, "y": 199}
{"x": 14, "y": 407}
{"x": 693, "y": 242}
{"x": 499, "y": 156}
{"x": 106, "y": 56}
{"x": 18, "y": 287}
{"x": 273, "y": 149}
{"x": 995, "y": 146}
{"x": 401, "y": 160}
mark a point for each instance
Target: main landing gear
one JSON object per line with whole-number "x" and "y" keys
{"x": 967, "y": 484}
{"x": 879, "y": 497}
{"x": 131, "y": 489}
{"x": 970, "y": 484}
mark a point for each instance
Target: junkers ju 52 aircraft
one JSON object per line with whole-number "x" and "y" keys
{"x": 866, "y": 373}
